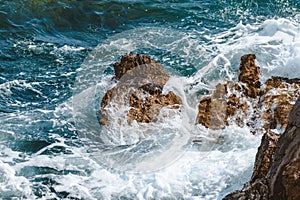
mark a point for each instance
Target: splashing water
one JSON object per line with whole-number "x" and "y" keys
{"x": 52, "y": 145}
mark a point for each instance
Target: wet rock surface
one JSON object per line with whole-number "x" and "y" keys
{"x": 284, "y": 174}
{"x": 139, "y": 91}
{"x": 212, "y": 110}
{"x": 247, "y": 102}
{"x": 249, "y": 76}
{"x": 265, "y": 155}
{"x": 147, "y": 109}
{"x": 129, "y": 62}
{"x": 261, "y": 107}
{"x": 277, "y": 101}
{"x": 276, "y": 173}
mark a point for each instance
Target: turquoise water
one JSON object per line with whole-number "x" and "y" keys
{"x": 56, "y": 64}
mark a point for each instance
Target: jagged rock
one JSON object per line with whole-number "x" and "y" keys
{"x": 212, "y": 110}
{"x": 248, "y": 102}
{"x": 129, "y": 62}
{"x": 277, "y": 101}
{"x": 147, "y": 109}
{"x": 249, "y": 76}
{"x": 229, "y": 102}
{"x": 257, "y": 190}
{"x": 265, "y": 155}
{"x": 284, "y": 174}
{"x": 262, "y": 107}
{"x": 276, "y": 173}
{"x": 139, "y": 91}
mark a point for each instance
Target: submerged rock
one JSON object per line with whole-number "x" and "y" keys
{"x": 139, "y": 93}
{"x": 276, "y": 173}
{"x": 248, "y": 102}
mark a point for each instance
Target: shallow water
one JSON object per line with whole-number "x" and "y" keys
{"x": 56, "y": 64}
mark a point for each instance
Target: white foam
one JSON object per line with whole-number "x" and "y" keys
{"x": 194, "y": 175}
{"x": 179, "y": 169}
{"x": 12, "y": 185}
{"x": 215, "y": 67}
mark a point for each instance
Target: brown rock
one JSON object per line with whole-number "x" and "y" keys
{"x": 237, "y": 108}
{"x": 247, "y": 103}
{"x": 284, "y": 174}
{"x": 140, "y": 86}
{"x": 105, "y": 101}
{"x": 204, "y": 112}
{"x": 147, "y": 109}
{"x": 249, "y": 76}
{"x": 280, "y": 82}
{"x": 212, "y": 110}
{"x": 276, "y": 173}
{"x": 265, "y": 155}
{"x": 277, "y": 166}
{"x": 129, "y": 62}
{"x": 232, "y": 105}
{"x": 258, "y": 190}
{"x": 277, "y": 101}
{"x": 294, "y": 117}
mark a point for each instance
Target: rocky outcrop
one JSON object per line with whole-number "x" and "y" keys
{"x": 278, "y": 98}
{"x": 138, "y": 92}
{"x": 138, "y": 96}
{"x": 129, "y": 62}
{"x": 248, "y": 102}
{"x": 265, "y": 156}
{"x": 212, "y": 111}
{"x": 261, "y": 107}
{"x": 276, "y": 173}
{"x": 147, "y": 109}
{"x": 249, "y": 76}
{"x": 284, "y": 174}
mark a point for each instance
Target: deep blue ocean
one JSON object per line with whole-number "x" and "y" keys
{"x": 56, "y": 63}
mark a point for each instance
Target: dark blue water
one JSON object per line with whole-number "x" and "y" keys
{"x": 44, "y": 45}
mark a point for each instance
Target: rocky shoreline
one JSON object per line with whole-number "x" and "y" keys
{"x": 141, "y": 81}
{"x": 263, "y": 107}
{"x": 268, "y": 104}
{"x": 276, "y": 173}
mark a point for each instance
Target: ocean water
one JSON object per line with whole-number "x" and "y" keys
{"x": 56, "y": 64}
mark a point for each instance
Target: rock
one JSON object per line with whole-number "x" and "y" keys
{"x": 212, "y": 110}
{"x": 129, "y": 62}
{"x": 248, "y": 102}
{"x": 294, "y": 117}
{"x": 257, "y": 190}
{"x": 262, "y": 107}
{"x": 227, "y": 103}
{"x": 147, "y": 109}
{"x": 138, "y": 92}
{"x": 265, "y": 155}
{"x": 249, "y": 76}
{"x": 277, "y": 100}
{"x": 276, "y": 173}
{"x": 284, "y": 174}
